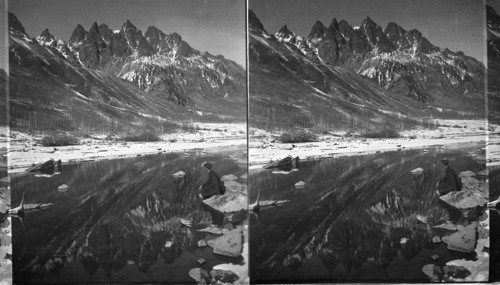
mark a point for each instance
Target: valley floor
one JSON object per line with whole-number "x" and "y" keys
{"x": 24, "y": 149}
{"x": 264, "y": 146}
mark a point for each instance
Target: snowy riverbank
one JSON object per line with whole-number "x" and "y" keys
{"x": 264, "y": 146}
{"x": 25, "y": 150}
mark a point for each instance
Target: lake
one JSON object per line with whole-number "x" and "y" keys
{"x": 355, "y": 219}
{"x": 118, "y": 221}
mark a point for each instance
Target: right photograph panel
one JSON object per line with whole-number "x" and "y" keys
{"x": 367, "y": 141}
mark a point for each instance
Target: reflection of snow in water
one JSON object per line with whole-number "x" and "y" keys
{"x": 357, "y": 219}
{"x": 121, "y": 219}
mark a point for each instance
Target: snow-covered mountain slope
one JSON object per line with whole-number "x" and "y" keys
{"x": 388, "y": 72}
{"x": 493, "y": 46}
{"x": 104, "y": 79}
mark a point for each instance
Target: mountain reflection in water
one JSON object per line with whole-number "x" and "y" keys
{"x": 113, "y": 222}
{"x": 355, "y": 219}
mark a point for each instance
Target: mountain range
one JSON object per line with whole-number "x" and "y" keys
{"x": 359, "y": 76}
{"x": 493, "y": 48}
{"x": 118, "y": 80}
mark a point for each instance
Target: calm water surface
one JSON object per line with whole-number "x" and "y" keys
{"x": 349, "y": 220}
{"x": 113, "y": 222}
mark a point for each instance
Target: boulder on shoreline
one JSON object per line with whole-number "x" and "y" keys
{"x": 434, "y": 272}
{"x": 228, "y": 203}
{"x": 466, "y": 199}
{"x": 230, "y": 244}
{"x": 48, "y": 167}
{"x": 417, "y": 171}
{"x": 286, "y": 164}
{"x": 463, "y": 240}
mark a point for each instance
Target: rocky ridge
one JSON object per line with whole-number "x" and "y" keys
{"x": 166, "y": 74}
{"x": 398, "y": 59}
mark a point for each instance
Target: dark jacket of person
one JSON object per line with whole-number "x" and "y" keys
{"x": 450, "y": 181}
{"x": 213, "y": 186}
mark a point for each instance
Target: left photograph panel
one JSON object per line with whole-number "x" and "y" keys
{"x": 5, "y": 220}
{"x": 128, "y": 149}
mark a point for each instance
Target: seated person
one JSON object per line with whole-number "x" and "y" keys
{"x": 214, "y": 185}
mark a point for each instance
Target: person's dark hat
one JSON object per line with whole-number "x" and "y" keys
{"x": 207, "y": 165}
{"x": 445, "y": 161}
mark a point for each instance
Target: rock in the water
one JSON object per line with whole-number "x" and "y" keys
{"x": 224, "y": 276}
{"x": 466, "y": 174}
{"x": 228, "y": 203}
{"x": 212, "y": 230}
{"x": 179, "y": 174}
{"x": 201, "y": 276}
{"x": 202, "y": 243}
{"x": 201, "y": 261}
{"x": 446, "y": 226}
{"x": 464, "y": 200}
{"x": 434, "y": 272}
{"x": 168, "y": 244}
{"x": 62, "y": 188}
{"x": 233, "y": 187}
{"x": 48, "y": 167}
{"x": 483, "y": 174}
{"x": 417, "y": 171}
{"x": 473, "y": 184}
{"x": 422, "y": 219}
{"x": 230, "y": 177}
{"x": 238, "y": 217}
{"x": 186, "y": 222}
{"x": 285, "y": 164}
{"x": 300, "y": 185}
{"x": 403, "y": 240}
{"x": 434, "y": 256}
{"x": 436, "y": 239}
{"x": 230, "y": 244}
{"x": 482, "y": 232}
{"x": 463, "y": 240}
{"x": 456, "y": 271}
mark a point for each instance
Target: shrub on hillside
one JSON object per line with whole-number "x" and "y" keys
{"x": 59, "y": 140}
{"x": 146, "y": 136}
{"x": 298, "y": 137}
{"x": 384, "y": 133}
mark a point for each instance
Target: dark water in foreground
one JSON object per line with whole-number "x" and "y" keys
{"x": 113, "y": 222}
{"x": 348, "y": 222}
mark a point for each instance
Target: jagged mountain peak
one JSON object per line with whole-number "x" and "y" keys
{"x": 154, "y": 31}
{"x": 334, "y": 24}
{"x": 129, "y": 25}
{"x": 284, "y": 32}
{"x": 15, "y": 25}
{"x": 254, "y": 23}
{"x": 46, "y": 37}
{"x": 94, "y": 28}
{"x": 368, "y": 23}
{"x": 78, "y": 34}
{"x": 393, "y": 27}
{"x": 45, "y": 33}
{"x": 318, "y": 30}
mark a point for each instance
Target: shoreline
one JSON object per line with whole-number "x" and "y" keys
{"x": 264, "y": 146}
{"x": 342, "y": 147}
{"x": 24, "y": 149}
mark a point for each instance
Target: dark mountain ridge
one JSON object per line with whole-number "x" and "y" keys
{"x": 151, "y": 75}
{"x": 335, "y": 62}
{"x": 493, "y": 48}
